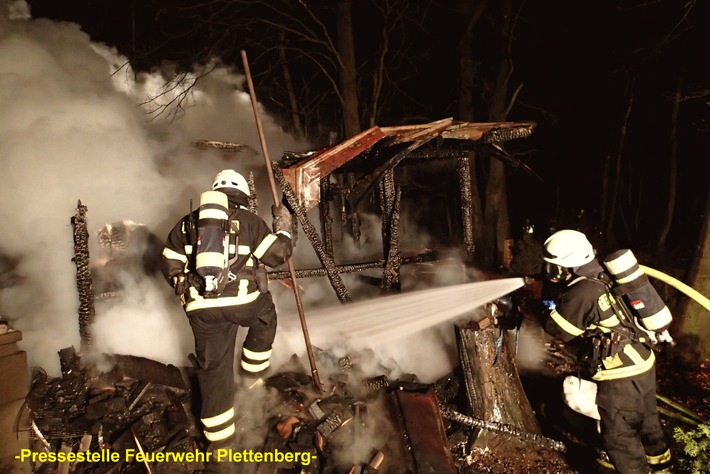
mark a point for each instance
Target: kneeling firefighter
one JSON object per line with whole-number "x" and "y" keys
{"x": 616, "y": 353}
{"x": 214, "y": 258}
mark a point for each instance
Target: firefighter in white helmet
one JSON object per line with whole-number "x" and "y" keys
{"x": 615, "y": 356}
{"x": 241, "y": 298}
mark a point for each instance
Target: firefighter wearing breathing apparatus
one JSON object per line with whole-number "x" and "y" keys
{"x": 214, "y": 258}
{"x": 613, "y": 345}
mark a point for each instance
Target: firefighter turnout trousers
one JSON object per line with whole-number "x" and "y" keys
{"x": 627, "y": 407}
{"x": 215, "y": 332}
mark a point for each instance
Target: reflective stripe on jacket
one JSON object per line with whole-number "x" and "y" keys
{"x": 583, "y": 307}
{"x": 254, "y": 243}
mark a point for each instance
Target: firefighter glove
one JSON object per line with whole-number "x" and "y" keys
{"x": 180, "y": 284}
{"x": 282, "y": 219}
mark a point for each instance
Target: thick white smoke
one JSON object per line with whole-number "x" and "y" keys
{"x": 71, "y": 130}
{"x": 77, "y": 125}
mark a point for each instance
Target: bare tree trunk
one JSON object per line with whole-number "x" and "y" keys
{"x": 466, "y": 63}
{"x": 348, "y": 71}
{"x": 617, "y": 169}
{"x": 292, "y": 100}
{"x": 489, "y": 366}
{"x": 497, "y": 223}
{"x": 673, "y": 169}
{"x": 690, "y": 316}
{"x": 497, "y": 401}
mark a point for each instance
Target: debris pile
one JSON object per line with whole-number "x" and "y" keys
{"x": 138, "y": 406}
{"x": 361, "y": 421}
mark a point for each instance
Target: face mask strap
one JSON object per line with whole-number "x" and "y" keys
{"x": 556, "y": 273}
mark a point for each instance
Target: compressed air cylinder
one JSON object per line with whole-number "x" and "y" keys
{"x": 638, "y": 292}
{"x": 212, "y": 257}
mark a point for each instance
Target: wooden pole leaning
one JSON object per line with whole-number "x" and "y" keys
{"x": 274, "y": 193}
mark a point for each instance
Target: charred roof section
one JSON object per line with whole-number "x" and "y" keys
{"x": 377, "y": 150}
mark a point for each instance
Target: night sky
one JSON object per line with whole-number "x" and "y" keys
{"x": 579, "y": 64}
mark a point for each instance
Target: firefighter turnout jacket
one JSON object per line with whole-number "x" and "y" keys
{"x": 585, "y": 310}
{"x": 252, "y": 243}
{"x": 242, "y": 302}
{"x": 622, "y": 361}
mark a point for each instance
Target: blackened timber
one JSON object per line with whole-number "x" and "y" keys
{"x": 464, "y": 170}
{"x": 303, "y": 177}
{"x": 354, "y": 216}
{"x": 326, "y": 221}
{"x": 386, "y": 191}
{"x": 69, "y": 361}
{"x": 428, "y": 256}
{"x": 390, "y": 277}
{"x": 326, "y": 260}
{"x": 539, "y": 440}
{"x": 319, "y": 272}
{"x": 418, "y": 139}
{"x": 424, "y": 446}
{"x": 87, "y": 310}
{"x": 226, "y": 146}
{"x": 141, "y": 368}
{"x": 253, "y": 202}
{"x": 469, "y": 131}
{"x": 342, "y": 193}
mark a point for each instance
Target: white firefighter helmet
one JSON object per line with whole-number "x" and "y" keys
{"x": 230, "y": 179}
{"x": 568, "y": 248}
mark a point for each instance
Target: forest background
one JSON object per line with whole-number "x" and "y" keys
{"x": 619, "y": 91}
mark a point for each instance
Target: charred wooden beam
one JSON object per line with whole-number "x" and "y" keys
{"x": 416, "y": 417}
{"x": 417, "y": 139}
{"x": 386, "y": 192}
{"x": 326, "y": 260}
{"x": 326, "y": 221}
{"x": 69, "y": 362}
{"x": 304, "y": 176}
{"x": 354, "y": 216}
{"x": 87, "y": 310}
{"x": 508, "y": 131}
{"x": 224, "y": 146}
{"x": 253, "y": 200}
{"x": 464, "y": 170}
{"x": 141, "y": 368}
{"x": 342, "y": 198}
{"x": 491, "y": 132}
{"x": 427, "y": 256}
{"x": 542, "y": 441}
{"x": 390, "y": 276}
{"x": 319, "y": 272}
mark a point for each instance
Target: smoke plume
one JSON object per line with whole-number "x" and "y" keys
{"x": 76, "y": 124}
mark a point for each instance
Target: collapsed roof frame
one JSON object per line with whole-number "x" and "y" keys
{"x": 305, "y": 182}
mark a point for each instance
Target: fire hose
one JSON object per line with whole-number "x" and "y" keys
{"x": 539, "y": 440}
{"x": 678, "y": 285}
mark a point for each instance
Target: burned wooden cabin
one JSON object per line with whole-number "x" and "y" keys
{"x": 476, "y": 416}
{"x": 368, "y": 171}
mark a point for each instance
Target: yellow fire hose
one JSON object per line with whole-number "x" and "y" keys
{"x": 678, "y": 285}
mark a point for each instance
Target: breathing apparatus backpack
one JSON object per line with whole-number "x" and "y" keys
{"x": 633, "y": 287}
{"x": 642, "y": 314}
{"x": 214, "y": 231}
